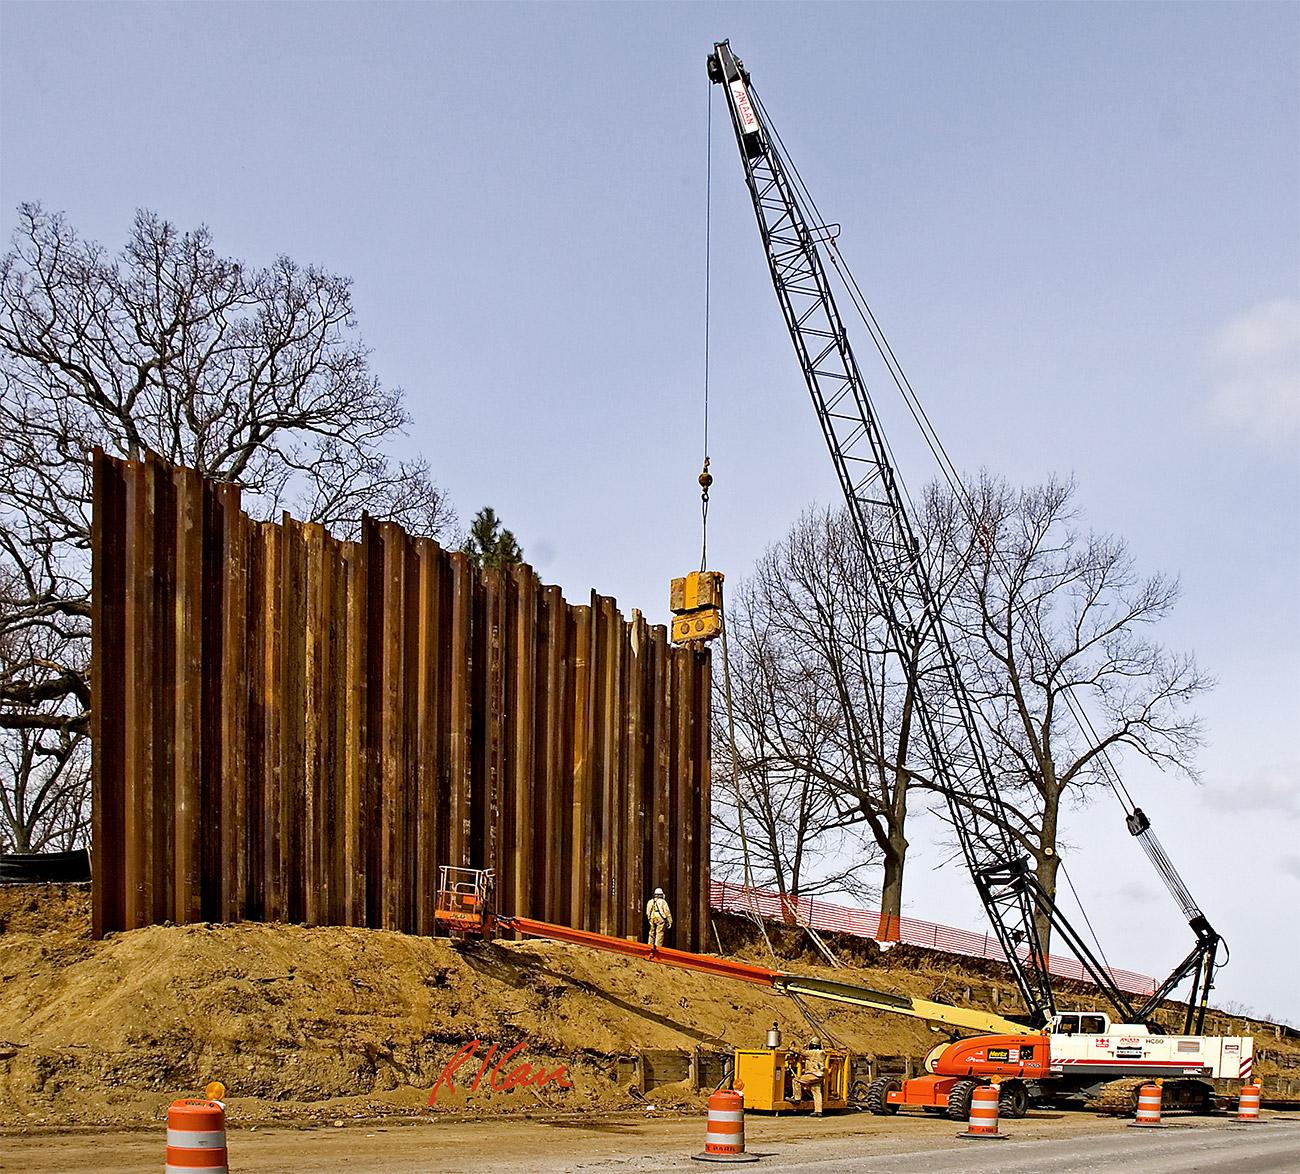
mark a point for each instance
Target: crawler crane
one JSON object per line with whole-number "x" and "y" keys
{"x": 1072, "y": 1053}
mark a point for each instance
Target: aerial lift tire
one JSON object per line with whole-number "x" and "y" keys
{"x": 959, "y": 1099}
{"x": 1013, "y": 1100}
{"x": 877, "y": 1098}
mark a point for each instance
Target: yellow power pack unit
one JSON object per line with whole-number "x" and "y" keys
{"x": 765, "y": 1077}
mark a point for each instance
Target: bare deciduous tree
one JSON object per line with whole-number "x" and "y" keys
{"x": 253, "y": 376}
{"x": 44, "y": 807}
{"x": 1055, "y": 620}
{"x": 799, "y": 840}
{"x": 811, "y": 606}
{"x": 1045, "y": 617}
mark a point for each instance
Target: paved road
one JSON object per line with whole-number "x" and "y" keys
{"x": 1265, "y": 1149}
{"x": 1053, "y": 1143}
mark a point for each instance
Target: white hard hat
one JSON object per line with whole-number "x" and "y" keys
{"x": 659, "y": 892}
{"x": 814, "y": 1042}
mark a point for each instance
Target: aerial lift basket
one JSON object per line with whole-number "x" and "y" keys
{"x": 464, "y": 904}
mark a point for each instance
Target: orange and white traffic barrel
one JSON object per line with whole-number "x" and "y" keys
{"x": 1248, "y": 1103}
{"x": 724, "y": 1135}
{"x": 196, "y": 1137}
{"x": 983, "y": 1122}
{"x": 1148, "y": 1106}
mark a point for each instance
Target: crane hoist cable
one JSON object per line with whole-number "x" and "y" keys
{"x": 706, "y": 478}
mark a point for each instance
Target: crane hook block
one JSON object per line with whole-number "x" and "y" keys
{"x": 696, "y": 603}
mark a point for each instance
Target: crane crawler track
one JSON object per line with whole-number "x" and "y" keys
{"x": 1120, "y": 1096}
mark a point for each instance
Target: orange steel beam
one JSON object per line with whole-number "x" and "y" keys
{"x": 722, "y": 967}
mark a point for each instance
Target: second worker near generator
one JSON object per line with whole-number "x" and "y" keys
{"x": 812, "y": 1073}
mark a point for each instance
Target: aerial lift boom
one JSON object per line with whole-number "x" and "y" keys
{"x": 465, "y": 907}
{"x": 809, "y": 985}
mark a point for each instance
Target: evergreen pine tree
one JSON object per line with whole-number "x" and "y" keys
{"x": 488, "y": 544}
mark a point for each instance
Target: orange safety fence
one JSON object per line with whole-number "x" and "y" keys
{"x": 827, "y": 917}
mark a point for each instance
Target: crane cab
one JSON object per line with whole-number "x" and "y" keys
{"x": 1083, "y": 1023}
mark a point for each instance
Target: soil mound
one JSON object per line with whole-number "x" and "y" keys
{"x": 331, "y": 1021}
{"x": 313, "y": 1024}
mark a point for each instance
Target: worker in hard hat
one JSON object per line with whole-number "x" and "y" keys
{"x": 812, "y": 1074}
{"x": 660, "y": 918}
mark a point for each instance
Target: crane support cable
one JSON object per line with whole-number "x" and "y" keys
{"x": 929, "y": 433}
{"x": 1108, "y": 770}
{"x": 878, "y": 510}
{"x": 1069, "y": 880}
{"x": 910, "y": 602}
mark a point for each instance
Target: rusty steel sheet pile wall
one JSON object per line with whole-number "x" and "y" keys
{"x": 289, "y": 726}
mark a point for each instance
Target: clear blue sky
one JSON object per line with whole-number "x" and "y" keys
{"x": 1077, "y": 223}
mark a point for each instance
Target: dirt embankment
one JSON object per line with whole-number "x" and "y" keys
{"x": 314, "y": 1024}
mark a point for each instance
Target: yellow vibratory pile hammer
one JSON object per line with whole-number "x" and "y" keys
{"x": 696, "y": 604}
